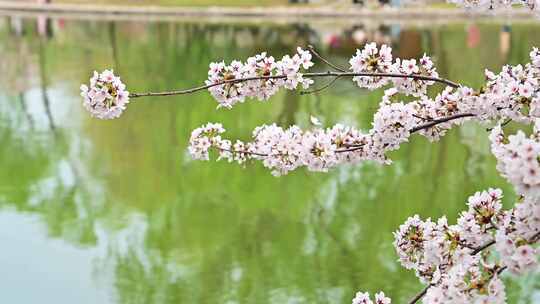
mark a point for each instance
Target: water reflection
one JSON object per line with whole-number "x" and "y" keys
{"x": 147, "y": 225}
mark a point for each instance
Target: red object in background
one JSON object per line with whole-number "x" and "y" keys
{"x": 334, "y": 41}
{"x": 473, "y": 36}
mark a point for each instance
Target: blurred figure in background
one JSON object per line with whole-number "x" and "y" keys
{"x": 16, "y": 25}
{"x": 504, "y": 41}
{"x": 473, "y": 36}
{"x": 44, "y": 25}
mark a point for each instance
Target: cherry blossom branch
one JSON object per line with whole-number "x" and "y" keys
{"x": 350, "y": 148}
{"x": 356, "y": 147}
{"x": 312, "y": 75}
{"x": 423, "y": 292}
{"x": 535, "y": 238}
{"x": 261, "y": 76}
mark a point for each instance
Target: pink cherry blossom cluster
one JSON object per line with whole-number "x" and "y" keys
{"x": 106, "y": 98}
{"x": 519, "y": 230}
{"x": 518, "y": 159}
{"x": 413, "y": 86}
{"x": 513, "y": 93}
{"x": 447, "y": 257}
{"x": 471, "y": 277}
{"x": 363, "y": 298}
{"x": 280, "y": 150}
{"x": 392, "y": 122}
{"x": 318, "y": 149}
{"x": 471, "y": 280}
{"x": 203, "y": 138}
{"x": 284, "y": 73}
{"x": 373, "y": 60}
{"x": 430, "y": 248}
{"x": 485, "y": 209}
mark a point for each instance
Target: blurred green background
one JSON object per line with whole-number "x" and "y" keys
{"x": 116, "y": 211}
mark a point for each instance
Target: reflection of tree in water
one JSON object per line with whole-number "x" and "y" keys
{"x": 291, "y": 104}
{"x": 44, "y": 84}
{"x": 114, "y": 46}
{"x": 37, "y": 177}
{"x": 48, "y": 182}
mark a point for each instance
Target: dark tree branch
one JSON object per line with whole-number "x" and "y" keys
{"x": 313, "y": 75}
{"x": 439, "y": 121}
{"x": 420, "y": 295}
{"x": 326, "y": 86}
{"x": 314, "y": 52}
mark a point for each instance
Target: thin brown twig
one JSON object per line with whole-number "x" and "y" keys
{"x": 326, "y": 86}
{"x": 350, "y": 149}
{"x": 319, "y": 74}
{"x": 423, "y": 118}
{"x": 482, "y": 247}
{"x": 330, "y": 64}
{"x": 421, "y": 294}
{"x": 509, "y": 120}
{"x": 501, "y": 270}
{"x": 535, "y": 238}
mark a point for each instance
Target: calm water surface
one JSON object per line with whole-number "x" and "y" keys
{"x": 116, "y": 212}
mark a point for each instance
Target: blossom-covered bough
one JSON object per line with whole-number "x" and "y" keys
{"x": 458, "y": 263}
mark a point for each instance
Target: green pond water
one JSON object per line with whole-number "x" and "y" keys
{"x": 116, "y": 211}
